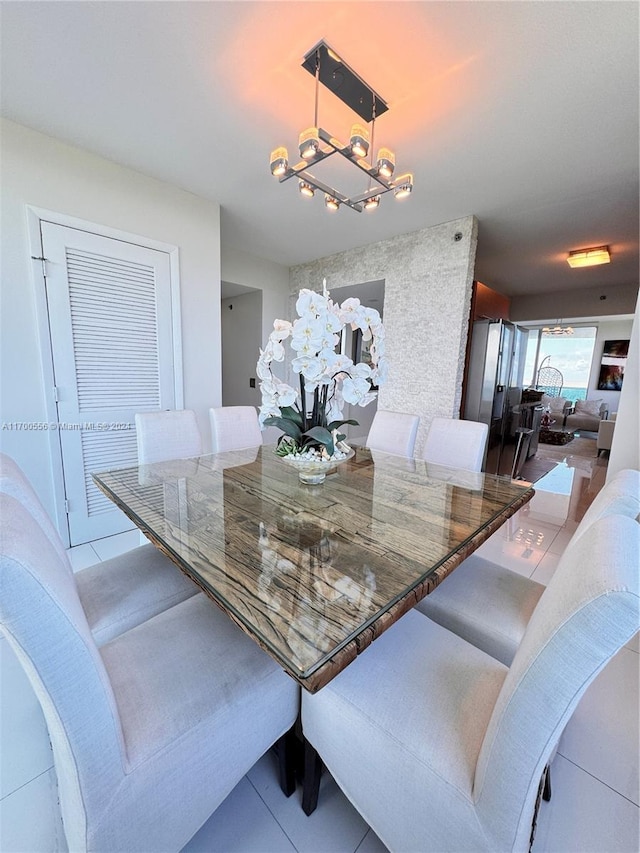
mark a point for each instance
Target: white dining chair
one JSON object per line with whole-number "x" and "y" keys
{"x": 234, "y": 428}
{"x": 456, "y": 443}
{"x": 489, "y": 605}
{"x": 441, "y": 747}
{"x": 167, "y": 435}
{"x": 116, "y": 594}
{"x": 151, "y": 731}
{"x": 393, "y": 432}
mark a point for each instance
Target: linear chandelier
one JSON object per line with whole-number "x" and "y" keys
{"x": 316, "y": 144}
{"x": 589, "y": 257}
{"x": 558, "y": 330}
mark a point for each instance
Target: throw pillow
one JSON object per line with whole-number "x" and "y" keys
{"x": 556, "y": 404}
{"x": 588, "y": 407}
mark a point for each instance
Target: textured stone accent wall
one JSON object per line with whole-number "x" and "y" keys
{"x": 428, "y": 276}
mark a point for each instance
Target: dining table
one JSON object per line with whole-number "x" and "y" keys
{"x": 313, "y": 573}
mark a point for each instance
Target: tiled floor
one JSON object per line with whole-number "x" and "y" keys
{"x": 595, "y": 803}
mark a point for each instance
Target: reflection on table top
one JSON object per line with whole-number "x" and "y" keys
{"x": 313, "y": 573}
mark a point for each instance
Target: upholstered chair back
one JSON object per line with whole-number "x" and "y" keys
{"x": 167, "y": 435}
{"x": 587, "y": 613}
{"x": 456, "y": 443}
{"x": 13, "y": 482}
{"x": 43, "y": 620}
{"x": 393, "y": 432}
{"x": 619, "y": 496}
{"x": 234, "y": 428}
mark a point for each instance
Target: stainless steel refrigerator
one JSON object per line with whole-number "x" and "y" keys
{"x": 494, "y": 378}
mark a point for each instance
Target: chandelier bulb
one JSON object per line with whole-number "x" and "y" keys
{"x": 309, "y": 143}
{"x": 372, "y": 203}
{"x": 279, "y": 162}
{"x": 359, "y": 140}
{"x": 306, "y": 189}
{"x": 404, "y": 187}
{"x": 386, "y": 162}
{"x": 331, "y": 203}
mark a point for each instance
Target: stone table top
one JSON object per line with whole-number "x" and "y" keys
{"x": 313, "y": 573}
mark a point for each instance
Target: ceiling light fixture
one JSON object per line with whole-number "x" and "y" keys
{"x": 316, "y": 144}
{"x": 589, "y": 257}
{"x": 557, "y": 330}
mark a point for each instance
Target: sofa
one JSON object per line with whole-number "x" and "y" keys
{"x": 557, "y": 407}
{"x": 586, "y": 415}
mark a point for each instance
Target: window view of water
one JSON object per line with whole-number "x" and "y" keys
{"x": 571, "y": 355}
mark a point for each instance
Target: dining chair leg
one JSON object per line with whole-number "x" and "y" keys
{"x": 286, "y": 748}
{"x": 546, "y": 791}
{"x": 311, "y": 783}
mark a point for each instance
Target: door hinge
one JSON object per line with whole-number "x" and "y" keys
{"x": 43, "y": 261}
{"x": 56, "y": 394}
{"x": 67, "y": 508}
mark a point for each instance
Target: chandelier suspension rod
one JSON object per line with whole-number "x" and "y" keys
{"x": 315, "y": 112}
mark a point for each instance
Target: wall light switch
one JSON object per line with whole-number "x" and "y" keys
{"x": 252, "y": 382}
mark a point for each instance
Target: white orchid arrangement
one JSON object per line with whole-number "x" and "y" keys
{"x": 330, "y": 376}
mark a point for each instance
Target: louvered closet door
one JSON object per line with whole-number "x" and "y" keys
{"x": 110, "y": 319}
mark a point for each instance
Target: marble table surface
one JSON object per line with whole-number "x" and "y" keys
{"x": 313, "y": 573}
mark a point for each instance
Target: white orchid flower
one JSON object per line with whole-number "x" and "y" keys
{"x": 274, "y": 351}
{"x": 361, "y": 371}
{"x": 331, "y": 321}
{"x": 349, "y": 310}
{"x": 367, "y": 398}
{"x": 310, "y": 368}
{"x": 286, "y": 394}
{"x": 281, "y": 330}
{"x": 268, "y": 412}
{"x": 310, "y": 302}
{"x": 263, "y": 370}
{"x": 380, "y": 374}
{"x": 342, "y": 363}
{"x": 377, "y": 349}
{"x": 371, "y": 317}
{"x": 306, "y": 348}
{"x": 354, "y": 390}
{"x": 307, "y": 327}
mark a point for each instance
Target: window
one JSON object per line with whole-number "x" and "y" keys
{"x": 572, "y": 355}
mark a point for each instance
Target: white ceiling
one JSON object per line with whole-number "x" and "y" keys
{"x": 523, "y": 113}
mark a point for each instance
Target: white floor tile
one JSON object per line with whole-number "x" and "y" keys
{"x": 334, "y": 826}
{"x": 585, "y": 816}
{"x": 520, "y": 544}
{"x": 371, "y": 844}
{"x": 546, "y": 568}
{"x": 26, "y": 751}
{"x": 82, "y": 556}
{"x": 561, "y": 541}
{"x": 113, "y": 546}
{"x": 602, "y": 735}
{"x": 634, "y": 644}
{"x": 241, "y": 824}
{"x": 30, "y": 818}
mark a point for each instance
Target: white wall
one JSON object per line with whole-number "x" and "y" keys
{"x": 625, "y": 448}
{"x": 428, "y": 276}
{"x": 40, "y": 171}
{"x": 607, "y": 331}
{"x": 582, "y": 302}
{"x": 272, "y": 279}
{"x": 241, "y": 340}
